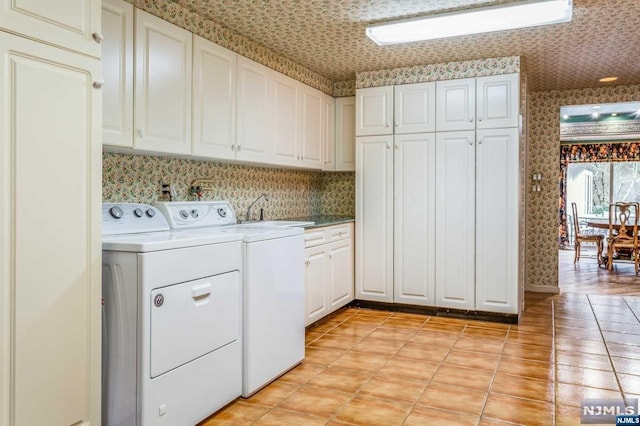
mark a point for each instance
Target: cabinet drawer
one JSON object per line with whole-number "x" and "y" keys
{"x": 339, "y": 232}
{"x": 315, "y": 237}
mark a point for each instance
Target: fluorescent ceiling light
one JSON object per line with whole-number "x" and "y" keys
{"x": 472, "y": 21}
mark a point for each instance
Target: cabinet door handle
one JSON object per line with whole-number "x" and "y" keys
{"x": 98, "y": 84}
{"x": 97, "y": 37}
{"x": 470, "y": 142}
{"x": 330, "y": 255}
{"x": 480, "y": 141}
{"x": 233, "y": 147}
{"x": 479, "y": 118}
{"x": 237, "y": 147}
{"x": 470, "y": 119}
{"x": 386, "y": 124}
{"x": 139, "y": 131}
{"x": 396, "y": 147}
{"x": 388, "y": 146}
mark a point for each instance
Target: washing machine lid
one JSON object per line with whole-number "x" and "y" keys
{"x": 166, "y": 240}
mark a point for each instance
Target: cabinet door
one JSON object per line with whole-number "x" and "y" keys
{"x": 498, "y": 98}
{"x": 73, "y": 24}
{"x": 117, "y": 66}
{"x": 329, "y": 132}
{"x": 374, "y": 218}
{"x": 346, "y": 134}
{"x": 163, "y": 86}
{"x": 316, "y": 261}
{"x": 340, "y": 280}
{"x": 253, "y": 127}
{"x": 286, "y": 117}
{"x": 311, "y": 128}
{"x": 50, "y": 155}
{"x": 497, "y": 227}
{"x": 415, "y": 108}
{"x": 455, "y": 219}
{"x": 214, "y": 100}
{"x": 374, "y": 111}
{"x": 414, "y": 219}
{"x": 456, "y": 105}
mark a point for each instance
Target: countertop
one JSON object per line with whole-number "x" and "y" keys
{"x": 324, "y": 220}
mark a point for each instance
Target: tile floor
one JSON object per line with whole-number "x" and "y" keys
{"x": 369, "y": 367}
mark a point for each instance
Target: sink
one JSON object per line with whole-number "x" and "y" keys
{"x": 291, "y": 223}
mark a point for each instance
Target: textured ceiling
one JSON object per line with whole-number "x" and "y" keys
{"x": 328, "y": 37}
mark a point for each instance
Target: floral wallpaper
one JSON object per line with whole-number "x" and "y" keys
{"x": 543, "y": 225}
{"x": 292, "y": 193}
{"x": 434, "y": 72}
{"x": 344, "y": 88}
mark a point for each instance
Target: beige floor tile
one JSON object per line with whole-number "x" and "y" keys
{"x": 398, "y": 334}
{"x": 483, "y": 361}
{"x": 373, "y": 411}
{"x": 310, "y": 336}
{"x": 529, "y": 338}
{"x": 587, "y": 377}
{"x": 365, "y": 320}
{"x": 410, "y": 315}
{"x": 535, "y": 353}
{"x": 378, "y": 346}
{"x": 476, "y": 344}
{"x": 342, "y": 379}
{"x": 623, "y": 351}
{"x": 404, "y": 323}
{"x": 449, "y": 320}
{"x": 434, "y": 338}
{"x": 316, "y": 401}
{"x": 492, "y": 422}
{"x": 237, "y": 413}
{"x": 465, "y": 377}
{"x": 489, "y": 324}
{"x": 373, "y": 313}
{"x": 394, "y": 388}
{"x": 526, "y": 368}
{"x": 361, "y": 361}
{"x": 421, "y": 416}
{"x": 324, "y": 327}
{"x": 533, "y": 328}
{"x": 619, "y": 327}
{"x": 578, "y": 333}
{"x": 443, "y": 327}
{"x": 414, "y": 351}
{"x": 581, "y": 359}
{"x": 332, "y": 341}
{"x": 630, "y": 383}
{"x": 520, "y": 411}
{"x": 523, "y": 387}
{"x": 570, "y": 395}
{"x": 399, "y": 367}
{"x": 626, "y": 365}
{"x": 279, "y": 417}
{"x": 353, "y": 330}
{"x": 302, "y": 373}
{"x": 453, "y": 398}
{"x": 485, "y": 333}
{"x": 321, "y": 356}
{"x": 625, "y": 338}
{"x": 273, "y": 394}
{"x": 567, "y": 416}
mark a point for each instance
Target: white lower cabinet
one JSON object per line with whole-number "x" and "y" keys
{"x": 329, "y": 270}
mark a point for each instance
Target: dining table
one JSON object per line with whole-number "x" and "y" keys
{"x": 603, "y": 223}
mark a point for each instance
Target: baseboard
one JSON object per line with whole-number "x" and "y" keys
{"x": 543, "y": 289}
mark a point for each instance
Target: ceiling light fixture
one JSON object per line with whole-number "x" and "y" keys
{"x": 565, "y": 117}
{"x": 614, "y": 114}
{"x": 607, "y": 79}
{"x": 595, "y": 115}
{"x": 472, "y": 21}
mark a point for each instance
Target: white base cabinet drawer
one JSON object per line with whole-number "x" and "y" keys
{"x": 329, "y": 277}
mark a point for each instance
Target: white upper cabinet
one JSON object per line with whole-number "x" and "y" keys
{"x": 329, "y": 132}
{"x": 117, "y": 65}
{"x": 72, "y": 24}
{"x": 312, "y": 105}
{"x": 455, "y": 219}
{"x": 253, "y": 121}
{"x": 497, "y": 217}
{"x": 163, "y": 86}
{"x": 415, "y": 108}
{"x": 345, "y": 134}
{"x": 285, "y": 100}
{"x": 456, "y": 103}
{"x": 497, "y": 101}
{"x": 374, "y": 111}
{"x": 214, "y": 100}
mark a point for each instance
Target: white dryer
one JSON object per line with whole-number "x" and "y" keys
{"x": 273, "y": 289}
{"x": 171, "y": 319}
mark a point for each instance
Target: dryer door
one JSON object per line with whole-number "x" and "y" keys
{"x": 191, "y": 319}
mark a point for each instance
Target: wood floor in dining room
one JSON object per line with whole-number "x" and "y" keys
{"x": 366, "y": 367}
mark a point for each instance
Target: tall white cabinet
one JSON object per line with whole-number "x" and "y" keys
{"x": 437, "y": 201}
{"x": 50, "y": 254}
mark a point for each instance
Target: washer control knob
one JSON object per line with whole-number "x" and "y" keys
{"x": 222, "y": 212}
{"x": 195, "y": 213}
{"x": 151, "y": 212}
{"x": 116, "y": 212}
{"x": 184, "y": 214}
{"x": 138, "y": 212}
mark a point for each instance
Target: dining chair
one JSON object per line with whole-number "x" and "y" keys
{"x": 623, "y": 232}
{"x": 584, "y": 236}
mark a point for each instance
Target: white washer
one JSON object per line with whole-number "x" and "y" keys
{"x": 273, "y": 295}
{"x": 171, "y": 319}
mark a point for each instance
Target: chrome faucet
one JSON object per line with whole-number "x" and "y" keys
{"x": 248, "y": 216}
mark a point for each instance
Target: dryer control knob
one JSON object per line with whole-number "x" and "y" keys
{"x": 116, "y": 212}
{"x": 184, "y": 214}
{"x": 151, "y": 212}
{"x": 138, "y": 212}
{"x": 195, "y": 213}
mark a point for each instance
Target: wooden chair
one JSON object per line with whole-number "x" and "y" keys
{"x": 623, "y": 231}
{"x": 581, "y": 236}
